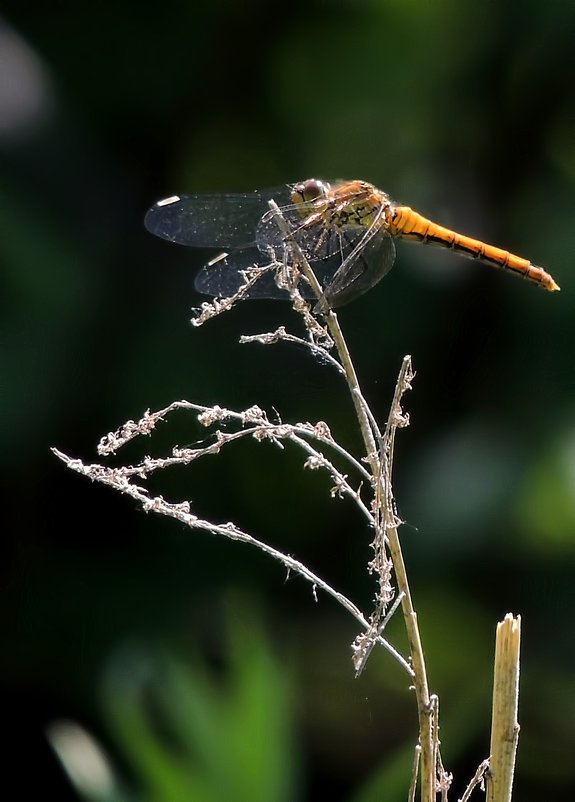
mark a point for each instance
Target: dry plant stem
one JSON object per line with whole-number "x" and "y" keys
{"x": 379, "y": 457}
{"x": 444, "y": 778}
{"x": 282, "y": 334}
{"x": 115, "y": 440}
{"x": 389, "y": 528}
{"x": 182, "y": 513}
{"x": 414, "y": 773}
{"x": 504, "y": 725}
{"x": 261, "y": 429}
{"x": 386, "y": 518}
{"x": 427, "y": 712}
{"x": 478, "y": 779}
{"x": 420, "y": 682}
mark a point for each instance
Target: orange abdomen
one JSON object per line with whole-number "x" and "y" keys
{"x": 408, "y": 224}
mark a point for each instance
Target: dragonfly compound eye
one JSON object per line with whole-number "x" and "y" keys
{"x": 310, "y": 190}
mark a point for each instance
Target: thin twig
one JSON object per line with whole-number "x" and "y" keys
{"x": 113, "y": 441}
{"x": 388, "y": 529}
{"x": 478, "y": 779}
{"x": 182, "y": 513}
{"x": 414, "y": 774}
{"x": 280, "y": 334}
{"x": 299, "y": 434}
{"x": 218, "y": 306}
{"x": 387, "y": 519}
{"x": 363, "y": 644}
{"x": 444, "y": 779}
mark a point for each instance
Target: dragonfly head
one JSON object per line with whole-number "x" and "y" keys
{"x": 308, "y": 191}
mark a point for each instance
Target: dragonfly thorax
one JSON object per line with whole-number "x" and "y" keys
{"x": 345, "y": 204}
{"x": 357, "y": 203}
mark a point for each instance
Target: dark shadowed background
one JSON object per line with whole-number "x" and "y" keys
{"x": 111, "y": 618}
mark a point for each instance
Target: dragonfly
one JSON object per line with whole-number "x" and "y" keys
{"x": 346, "y": 231}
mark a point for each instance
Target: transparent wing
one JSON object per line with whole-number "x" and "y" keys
{"x": 348, "y": 259}
{"x": 222, "y": 277}
{"x": 361, "y": 270}
{"x": 218, "y": 221}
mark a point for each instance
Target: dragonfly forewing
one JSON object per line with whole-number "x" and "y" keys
{"x": 213, "y": 221}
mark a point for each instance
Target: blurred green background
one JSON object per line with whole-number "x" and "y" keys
{"x": 203, "y": 672}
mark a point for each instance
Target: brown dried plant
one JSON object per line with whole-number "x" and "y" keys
{"x": 370, "y": 489}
